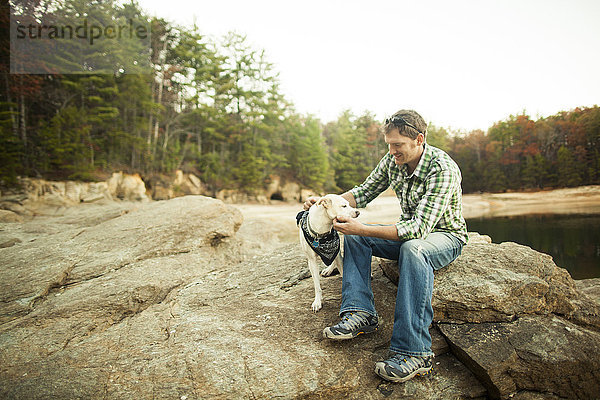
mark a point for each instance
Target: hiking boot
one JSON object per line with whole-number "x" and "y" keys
{"x": 400, "y": 368}
{"x": 352, "y": 324}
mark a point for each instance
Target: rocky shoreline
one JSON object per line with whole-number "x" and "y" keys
{"x": 186, "y": 298}
{"x": 39, "y": 196}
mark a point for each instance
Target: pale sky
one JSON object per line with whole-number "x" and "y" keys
{"x": 461, "y": 64}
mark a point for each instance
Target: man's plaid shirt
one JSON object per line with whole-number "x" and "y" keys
{"x": 430, "y": 198}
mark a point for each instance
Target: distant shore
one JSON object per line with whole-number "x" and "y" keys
{"x": 579, "y": 200}
{"x": 276, "y": 222}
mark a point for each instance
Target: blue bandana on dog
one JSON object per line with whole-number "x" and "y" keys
{"x": 327, "y": 246}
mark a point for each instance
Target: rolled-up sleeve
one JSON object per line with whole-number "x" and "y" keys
{"x": 439, "y": 188}
{"x": 375, "y": 184}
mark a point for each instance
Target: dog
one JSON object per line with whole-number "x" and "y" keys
{"x": 318, "y": 239}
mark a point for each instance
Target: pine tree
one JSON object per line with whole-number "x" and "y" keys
{"x": 569, "y": 173}
{"x": 308, "y": 158}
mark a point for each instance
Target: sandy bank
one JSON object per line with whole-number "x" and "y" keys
{"x": 276, "y": 222}
{"x": 581, "y": 200}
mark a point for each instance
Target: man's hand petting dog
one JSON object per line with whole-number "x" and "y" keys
{"x": 347, "y": 225}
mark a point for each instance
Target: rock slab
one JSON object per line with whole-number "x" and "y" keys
{"x": 538, "y": 354}
{"x": 165, "y": 300}
{"x": 162, "y": 302}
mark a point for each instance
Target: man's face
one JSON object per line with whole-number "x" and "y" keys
{"x": 404, "y": 149}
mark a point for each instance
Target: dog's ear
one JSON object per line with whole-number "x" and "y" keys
{"x": 325, "y": 202}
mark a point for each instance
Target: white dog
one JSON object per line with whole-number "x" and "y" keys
{"x": 318, "y": 239}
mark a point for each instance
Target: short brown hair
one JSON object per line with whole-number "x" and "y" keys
{"x": 410, "y": 116}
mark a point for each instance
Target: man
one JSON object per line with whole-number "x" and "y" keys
{"x": 429, "y": 235}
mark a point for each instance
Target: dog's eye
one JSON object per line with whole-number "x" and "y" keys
{"x": 345, "y": 205}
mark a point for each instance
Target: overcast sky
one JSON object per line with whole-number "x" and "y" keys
{"x": 461, "y": 64}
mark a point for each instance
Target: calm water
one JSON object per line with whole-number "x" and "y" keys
{"x": 572, "y": 240}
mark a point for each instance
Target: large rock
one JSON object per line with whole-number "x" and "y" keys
{"x": 32, "y": 270}
{"x": 518, "y": 321}
{"x": 590, "y": 287}
{"x": 500, "y": 282}
{"x": 165, "y": 187}
{"x": 187, "y": 184}
{"x": 42, "y": 197}
{"x": 279, "y": 188}
{"x": 40, "y": 193}
{"x": 162, "y": 300}
{"x": 544, "y": 354}
{"x": 127, "y": 187}
{"x": 160, "y": 303}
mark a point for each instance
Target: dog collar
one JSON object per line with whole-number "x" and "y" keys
{"x": 312, "y": 232}
{"x": 326, "y": 246}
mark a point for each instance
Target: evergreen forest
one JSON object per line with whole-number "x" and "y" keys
{"x": 214, "y": 107}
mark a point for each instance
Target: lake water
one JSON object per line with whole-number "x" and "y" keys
{"x": 572, "y": 240}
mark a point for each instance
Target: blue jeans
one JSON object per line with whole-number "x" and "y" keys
{"x": 417, "y": 258}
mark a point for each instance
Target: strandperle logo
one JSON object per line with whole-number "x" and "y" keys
{"x": 89, "y": 32}
{"x": 89, "y": 43}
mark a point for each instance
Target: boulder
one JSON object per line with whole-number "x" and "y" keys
{"x": 14, "y": 204}
{"x": 544, "y": 354}
{"x": 160, "y": 187}
{"x": 127, "y": 187}
{"x": 279, "y": 188}
{"x": 185, "y": 184}
{"x": 290, "y": 191}
{"x": 95, "y": 191}
{"x": 68, "y": 257}
{"x": 164, "y": 187}
{"x": 162, "y": 193}
{"x": 390, "y": 268}
{"x": 232, "y": 196}
{"x": 38, "y": 196}
{"x": 9, "y": 216}
{"x": 161, "y": 302}
{"x": 500, "y": 282}
{"x": 518, "y": 321}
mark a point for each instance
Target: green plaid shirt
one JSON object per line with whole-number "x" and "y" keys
{"x": 430, "y": 198}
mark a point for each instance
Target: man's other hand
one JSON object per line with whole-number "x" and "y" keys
{"x": 310, "y": 201}
{"x": 348, "y": 226}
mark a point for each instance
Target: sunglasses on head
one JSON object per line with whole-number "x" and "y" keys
{"x": 400, "y": 122}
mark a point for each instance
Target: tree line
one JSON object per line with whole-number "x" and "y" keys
{"x": 561, "y": 150}
{"x": 214, "y": 107}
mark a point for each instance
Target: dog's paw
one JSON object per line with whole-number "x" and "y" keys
{"x": 316, "y": 305}
{"x": 328, "y": 271}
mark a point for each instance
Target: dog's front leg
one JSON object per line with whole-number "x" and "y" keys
{"x": 314, "y": 271}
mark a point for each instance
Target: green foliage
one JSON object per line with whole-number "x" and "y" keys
{"x": 307, "y": 154}
{"x": 11, "y": 150}
{"x": 355, "y": 150}
{"x": 438, "y": 137}
{"x": 65, "y": 142}
{"x": 568, "y": 172}
{"x": 215, "y": 108}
